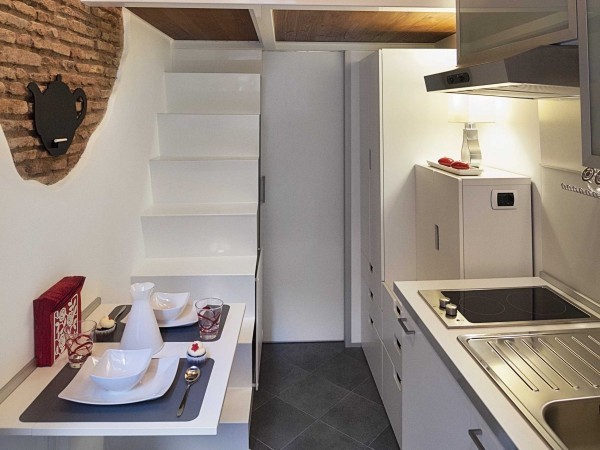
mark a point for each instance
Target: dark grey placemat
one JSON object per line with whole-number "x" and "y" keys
{"x": 186, "y": 333}
{"x": 47, "y": 407}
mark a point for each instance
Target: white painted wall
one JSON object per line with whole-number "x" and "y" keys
{"x": 302, "y": 128}
{"x": 89, "y": 223}
{"x": 570, "y": 221}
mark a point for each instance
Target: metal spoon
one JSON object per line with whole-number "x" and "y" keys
{"x": 191, "y": 375}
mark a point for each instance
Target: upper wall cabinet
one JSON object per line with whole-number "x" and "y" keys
{"x": 589, "y": 73}
{"x": 494, "y": 29}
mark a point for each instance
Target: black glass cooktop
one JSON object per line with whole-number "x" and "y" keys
{"x": 513, "y": 304}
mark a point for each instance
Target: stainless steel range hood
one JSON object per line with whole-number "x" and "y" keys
{"x": 545, "y": 72}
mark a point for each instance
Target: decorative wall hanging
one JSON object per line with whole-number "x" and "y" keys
{"x": 56, "y": 114}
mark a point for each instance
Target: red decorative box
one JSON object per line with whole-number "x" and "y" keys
{"x": 56, "y": 312}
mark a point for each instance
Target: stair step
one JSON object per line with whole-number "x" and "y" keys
{"x": 197, "y": 266}
{"x": 204, "y": 180}
{"x": 184, "y": 135}
{"x": 199, "y": 235}
{"x": 213, "y": 93}
{"x": 231, "y": 278}
{"x": 202, "y": 209}
{"x": 188, "y": 59}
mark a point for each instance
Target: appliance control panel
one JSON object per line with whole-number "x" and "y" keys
{"x": 504, "y": 199}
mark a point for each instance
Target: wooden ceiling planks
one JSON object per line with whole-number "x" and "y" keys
{"x": 200, "y": 24}
{"x": 362, "y": 26}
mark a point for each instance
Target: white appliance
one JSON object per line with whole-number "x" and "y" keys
{"x": 473, "y": 226}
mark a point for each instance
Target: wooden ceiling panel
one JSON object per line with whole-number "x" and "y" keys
{"x": 200, "y": 24}
{"x": 362, "y": 26}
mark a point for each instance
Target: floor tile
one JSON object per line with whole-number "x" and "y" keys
{"x": 344, "y": 371}
{"x": 368, "y": 389}
{"x": 310, "y": 355}
{"x": 276, "y": 423}
{"x": 355, "y": 352}
{"x": 277, "y": 375}
{"x": 261, "y": 397}
{"x": 359, "y": 418}
{"x": 314, "y": 395}
{"x": 255, "y": 444}
{"x": 385, "y": 441}
{"x": 270, "y": 350}
{"x": 322, "y": 437}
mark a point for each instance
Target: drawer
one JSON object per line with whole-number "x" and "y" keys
{"x": 392, "y": 395}
{"x": 373, "y": 349}
{"x": 376, "y": 314}
{"x": 392, "y": 332}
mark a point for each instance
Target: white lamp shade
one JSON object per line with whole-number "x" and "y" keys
{"x": 465, "y": 108}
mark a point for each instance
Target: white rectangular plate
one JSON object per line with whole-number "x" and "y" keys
{"x": 154, "y": 384}
{"x": 467, "y": 172}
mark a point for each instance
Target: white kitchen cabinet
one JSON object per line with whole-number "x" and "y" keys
{"x": 463, "y": 220}
{"x": 589, "y": 75}
{"x": 435, "y": 409}
{"x": 494, "y": 29}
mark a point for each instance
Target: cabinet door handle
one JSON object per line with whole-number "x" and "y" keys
{"x": 371, "y": 267}
{"x": 398, "y": 311}
{"x": 401, "y": 321}
{"x": 371, "y": 294}
{"x": 437, "y": 237}
{"x": 398, "y": 380}
{"x": 397, "y": 344}
{"x": 474, "y": 434}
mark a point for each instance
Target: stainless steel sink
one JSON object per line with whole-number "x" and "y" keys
{"x": 575, "y": 422}
{"x": 553, "y": 378}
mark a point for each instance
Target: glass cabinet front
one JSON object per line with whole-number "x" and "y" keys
{"x": 494, "y": 29}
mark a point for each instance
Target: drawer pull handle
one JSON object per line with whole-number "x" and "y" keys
{"x": 371, "y": 267}
{"x": 401, "y": 321}
{"x": 475, "y": 433}
{"x": 371, "y": 294}
{"x": 397, "y": 344}
{"x": 371, "y": 320}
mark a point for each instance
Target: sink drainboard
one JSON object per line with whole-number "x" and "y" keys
{"x": 542, "y": 372}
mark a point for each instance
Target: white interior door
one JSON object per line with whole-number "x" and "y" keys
{"x": 302, "y": 220}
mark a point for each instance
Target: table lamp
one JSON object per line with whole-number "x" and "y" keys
{"x": 470, "y": 110}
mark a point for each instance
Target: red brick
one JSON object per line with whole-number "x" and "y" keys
{"x": 84, "y": 54}
{"x": 7, "y": 36}
{"x": 19, "y": 56}
{"x": 2, "y": 88}
{"x": 7, "y": 73}
{"x": 17, "y": 125}
{"x": 25, "y": 39}
{"x": 24, "y": 155}
{"x": 44, "y": 30}
{"x": 25, "y": 9}
{"x": 17, "y": 89}
{"x": 9, "y": 19}
{"x": 21, "y": 142}
{"x": 56, "y": 47}
{"x": 89, "y": 68}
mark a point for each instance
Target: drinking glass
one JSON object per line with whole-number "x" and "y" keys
{"x": 209, "y": 317}
{"x": 80, "y": 343}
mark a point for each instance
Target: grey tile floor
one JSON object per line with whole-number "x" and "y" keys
{"x": 318, "y": 396}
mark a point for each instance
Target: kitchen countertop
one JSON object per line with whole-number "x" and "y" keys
{"x": 481, "y": 389}
{"x": 222, "y": 351}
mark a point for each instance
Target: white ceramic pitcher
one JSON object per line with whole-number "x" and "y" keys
{"x": 141, "y": 330}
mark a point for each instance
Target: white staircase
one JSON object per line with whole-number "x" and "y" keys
{"x": 200, "y": 234}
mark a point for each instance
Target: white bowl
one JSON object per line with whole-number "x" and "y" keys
{"x": 168, "y": 306}
{"x": 120, "y": 370}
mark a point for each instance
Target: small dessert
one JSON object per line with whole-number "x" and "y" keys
{"x": 106, "y": 325}
{"x": 196, "y": 353}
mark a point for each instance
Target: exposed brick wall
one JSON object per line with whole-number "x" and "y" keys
{"x": 38, "y": 40}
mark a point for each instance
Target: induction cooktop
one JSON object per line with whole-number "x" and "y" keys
{"x": 504, "y": 306}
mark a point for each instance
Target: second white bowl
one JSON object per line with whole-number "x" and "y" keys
{"x": 168, "y": 306}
